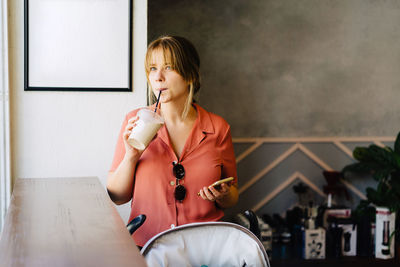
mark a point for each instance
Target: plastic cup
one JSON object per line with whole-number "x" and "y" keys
{"x": 146, "y": 128}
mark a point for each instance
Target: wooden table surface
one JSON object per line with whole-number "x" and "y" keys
{"x": 65, "y": 222}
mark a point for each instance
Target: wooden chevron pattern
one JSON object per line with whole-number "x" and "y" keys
{"x": 268, "y": 167}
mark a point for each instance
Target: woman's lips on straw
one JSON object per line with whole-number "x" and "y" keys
{"x": 162, "y": 89}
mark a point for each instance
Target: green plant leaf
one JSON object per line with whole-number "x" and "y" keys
{"x": 382, "y": 174}
{"x": 382, "y": 156}
{"x": 376, "y": 157}
{"x": 389, "y": 149}
{"x": 396, "y": 188}
{"x": 397, "y": 159}
{"x": 380, "y": 197}
{"x": 362, "y": 154}
{"x": 364, "y": 211}
{"x": 397, "y": 144}
{"x": 358, "y": 167}
{"x": 372, "y": 195}
{"x": 383, "y": 163}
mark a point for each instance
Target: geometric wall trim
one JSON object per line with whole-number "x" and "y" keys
{"x": 282, "y": 186}
{"x": 268, "y": 167}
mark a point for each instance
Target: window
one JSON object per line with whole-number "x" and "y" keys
{"x": 5, "y": 178}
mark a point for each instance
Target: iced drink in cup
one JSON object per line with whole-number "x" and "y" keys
{"x": 146, "y": 128}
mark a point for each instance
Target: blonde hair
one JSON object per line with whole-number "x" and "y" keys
{"x": 184, "y": 59}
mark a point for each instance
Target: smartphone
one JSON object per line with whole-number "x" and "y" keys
{"x": 221, "y": 181}
{"x": 217, "y": 183}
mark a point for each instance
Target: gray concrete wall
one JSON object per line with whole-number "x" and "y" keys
{"x": 292, "y": 68}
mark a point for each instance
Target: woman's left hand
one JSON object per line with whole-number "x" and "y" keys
{"x": 212, "y": 194}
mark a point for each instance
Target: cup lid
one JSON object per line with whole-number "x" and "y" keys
{"x": 149, "y": 115}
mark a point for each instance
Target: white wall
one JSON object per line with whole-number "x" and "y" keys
{"x": 68, "y": 134}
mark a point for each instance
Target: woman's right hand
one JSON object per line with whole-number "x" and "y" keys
{"x": 120, "y": 182}
{"x": 130, "y": 151}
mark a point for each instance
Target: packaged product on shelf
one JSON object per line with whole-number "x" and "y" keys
{"x": 314, "y": 243}
{"x": 384, "y": 233}
{"x": 349, "y": 237}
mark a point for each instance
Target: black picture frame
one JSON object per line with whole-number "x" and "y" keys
{"x": 38, "y": 78}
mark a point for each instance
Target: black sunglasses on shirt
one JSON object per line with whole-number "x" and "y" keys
{"x": 179, "y": 173}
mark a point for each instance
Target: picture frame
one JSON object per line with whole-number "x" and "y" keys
{"x": 80, "y": 45}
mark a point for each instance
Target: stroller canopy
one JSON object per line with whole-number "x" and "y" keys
{"x": 205, "y": 244}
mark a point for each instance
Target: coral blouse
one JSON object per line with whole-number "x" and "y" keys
{"x": 207, "y": 157}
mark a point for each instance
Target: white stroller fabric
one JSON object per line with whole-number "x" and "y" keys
{"x": 205, "y": 244}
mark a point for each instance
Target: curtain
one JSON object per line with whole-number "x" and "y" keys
{"x": 5, "y": 177}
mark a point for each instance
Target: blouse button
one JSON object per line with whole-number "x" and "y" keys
{"x": 172, "y": 183}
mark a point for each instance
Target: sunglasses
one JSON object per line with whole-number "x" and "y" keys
{"x": 179, "y": 173}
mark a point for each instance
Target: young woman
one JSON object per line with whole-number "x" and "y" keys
{"x": 169, "y": 180}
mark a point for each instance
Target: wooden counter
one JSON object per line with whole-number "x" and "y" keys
{"x": 65, "y": 222}
{"x": 343, "y": 262}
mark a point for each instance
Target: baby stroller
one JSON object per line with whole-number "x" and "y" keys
{"x": 203, "y": 244}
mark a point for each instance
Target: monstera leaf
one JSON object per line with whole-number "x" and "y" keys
{"x": 380, "y": 162}
{"x": 362, "y": 168}
{"x": 383, "y": 164}
{"x": 397, "y": 145}
{"x": 376, "y": 157}
{"x": 384, "y": 196}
